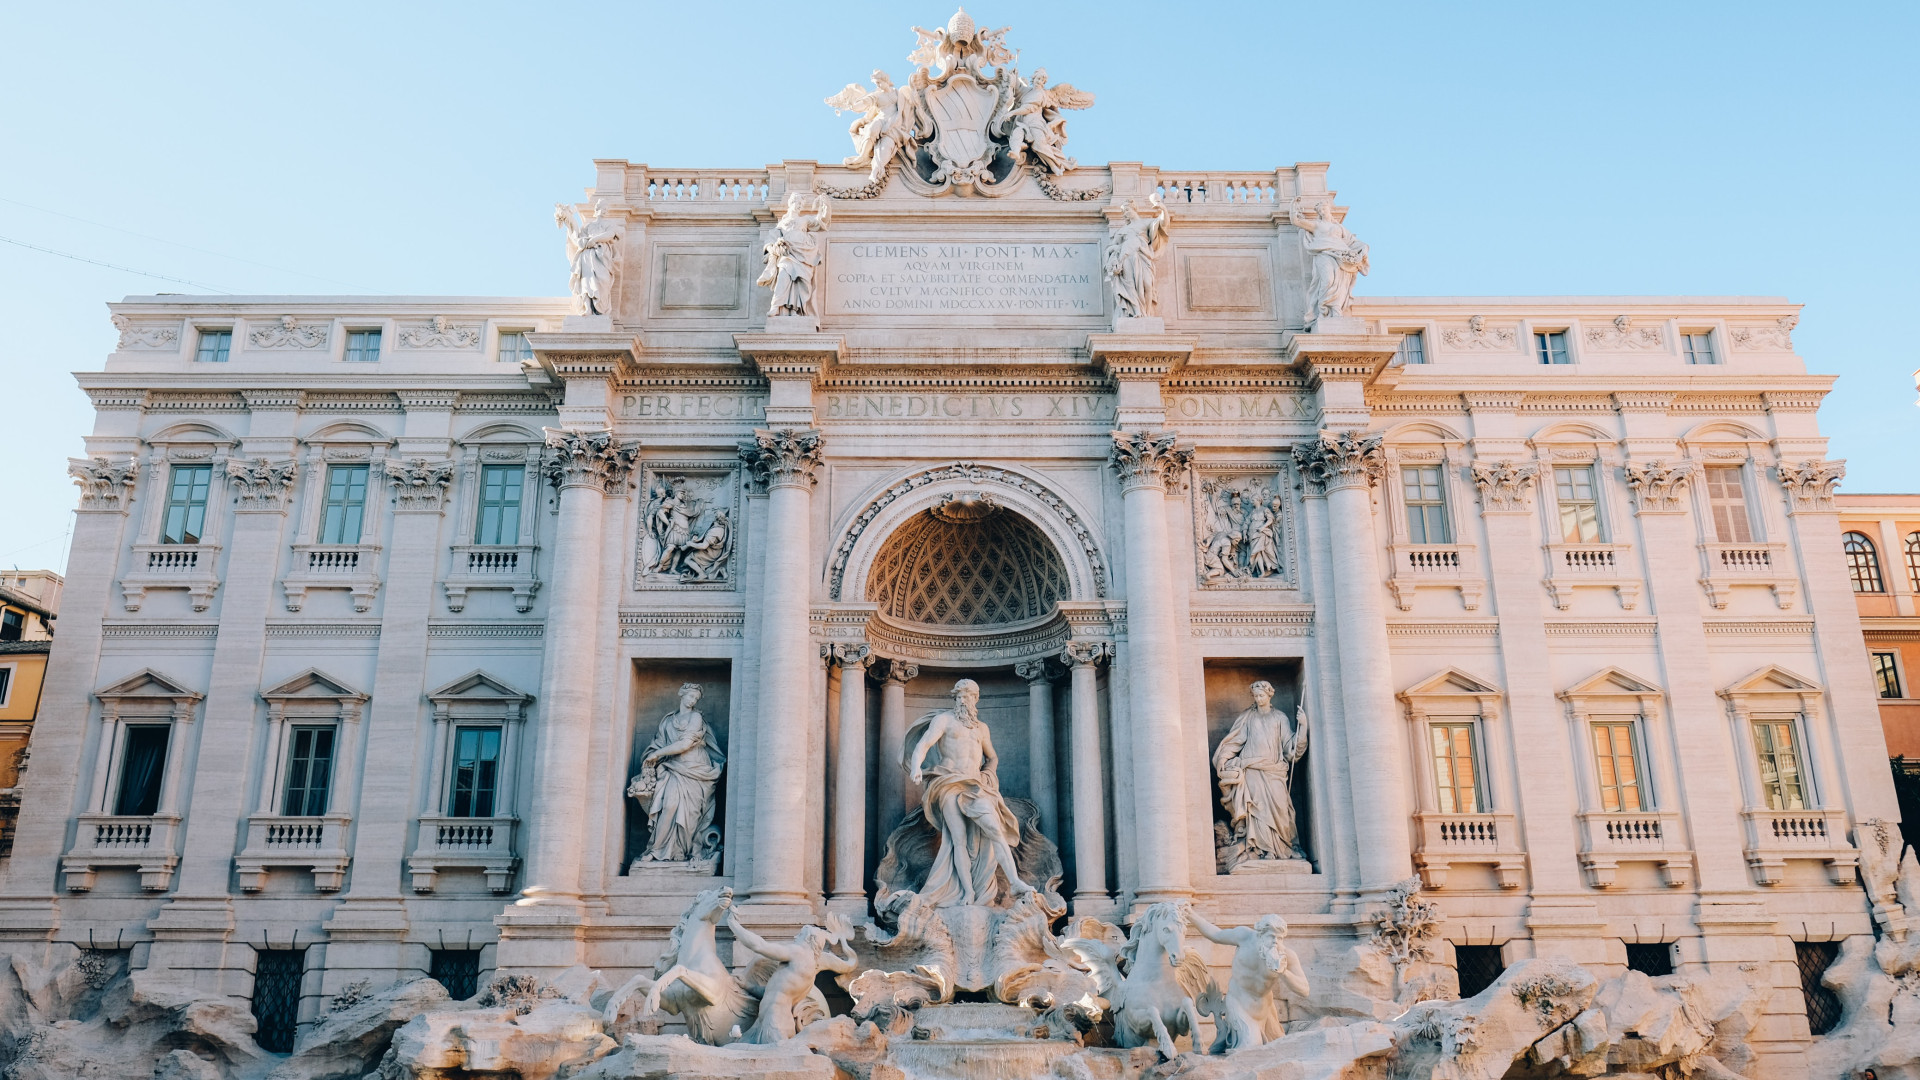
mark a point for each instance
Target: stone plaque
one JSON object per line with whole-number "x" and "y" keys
{"x": 998, "y": 278}
{"x": 691, "y": 281}
{"x": 1227, "y": 283}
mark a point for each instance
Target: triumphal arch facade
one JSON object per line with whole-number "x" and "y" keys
{"x": 954, "y": 537}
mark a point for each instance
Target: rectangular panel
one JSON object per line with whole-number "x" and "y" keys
{"x": 1228, "y": 283}
{"x": 955, "y": 277}
{"x": 699, "y": 282}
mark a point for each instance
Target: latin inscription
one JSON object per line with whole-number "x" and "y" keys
{"x": 962, "y": 407}
{"x": 692, "y": 406}
{"x": 972, "y": 278}
{"x": 1239, "y": 407}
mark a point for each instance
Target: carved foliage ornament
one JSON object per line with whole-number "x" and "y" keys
{"x": 418, "y": 484}
{"x": 1778, "y": 337}
{"x": 588, "y": 459}
{"x": 1476, "y": 335}
{"x": 260, "y": 484}
{"x": 1624, "y": 335}
{"x": 1659, "y": 486}
{"x": 440, "y": 334}
{"x": 783, "y": 457}
{"x": 1145, "y": 458}
{"x": 1505, "y": 485}
{"x": 1810, "y": 484}
{"x": 144, "y": 337}
{"x": 1341, "y": 459}
{"x": 291, "y": 333}
{"x": 103, "y": 484}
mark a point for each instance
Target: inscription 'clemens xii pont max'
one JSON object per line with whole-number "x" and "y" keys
{"x": 873, "y": 278}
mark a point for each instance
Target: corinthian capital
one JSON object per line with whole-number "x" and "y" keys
{"x": 103, "y": 484}
{"x": 1340, "y": 459}
{"x": 588, "y": 459}
{"x": 1810, "y": 484}
{"x": 902, "y": 672}
{"x": 419, "y": 484}
{"x": 1658, "y": 487}
{"x": 1505, "y": 485}
{"x": 1146, "y": 458}
{"x": 260, "y": 484}
{"x": 783, "y": 457}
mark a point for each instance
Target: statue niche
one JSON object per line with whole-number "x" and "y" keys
{"x": 1261, "y": 784}
{"x": 677, "y": 788}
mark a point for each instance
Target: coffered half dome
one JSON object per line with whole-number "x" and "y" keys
{"x": 967, "y": 562}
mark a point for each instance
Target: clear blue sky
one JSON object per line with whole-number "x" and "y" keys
{"x": 1617, "y": 148}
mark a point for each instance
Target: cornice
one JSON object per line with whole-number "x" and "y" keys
{"x": 1128, "y": 357}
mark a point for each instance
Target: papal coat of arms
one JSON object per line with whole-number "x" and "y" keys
{"x": 966, "y": 122}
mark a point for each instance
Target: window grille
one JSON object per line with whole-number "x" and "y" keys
{"x": 1654, "y": 958}
{"x": 214, "y": 346}
{"x": 499, "y": 519}
{"x": 187, "y": 504}
{"x": 458, "y": 970}
{"x": 276, "y": 997}
{"x": 1552, "y": 347}
{"x": 1579, "y": 504}
{"x": 346, "y": 504}
{"x": 1823, "y": 1006}
{"x": 1426, "y": 503}
{"x": 1478, "y": 966}
{"x": 1863, "y": 563}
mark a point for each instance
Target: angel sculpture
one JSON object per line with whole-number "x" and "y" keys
{"x": 794, "y": 254}
{"x": 1033, "y": 123}
{"x": 786, "y": 970}
{"x": 1133, "y": 244}
{"x": 889, "y": 117}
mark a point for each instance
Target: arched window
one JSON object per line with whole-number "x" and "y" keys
{"x": 1863, "y": 566}
{"x": 1913, "y": 559}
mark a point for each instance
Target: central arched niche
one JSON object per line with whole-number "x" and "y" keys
{"x": 967, "y": 562}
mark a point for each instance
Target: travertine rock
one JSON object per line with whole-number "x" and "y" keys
{"x": 533, "y": 1039}
{"x": 129, "y": 1030}
{"x": 659, "y": 1057}
{"x": 346, "y": 1044}
{"x": 1481, "y": 1037}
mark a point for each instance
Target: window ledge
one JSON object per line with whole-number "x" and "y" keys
{"x": 355, "y": 567}
{"x": 1727, "y": 565}
{"x": 1450, "y": 566}
{"x": 1774, "y": 836}
{"x": 172, "y": 566}
{"x": 1609, "y": 838}
{"x": 494, "y": 566}
{"x": 480, "y": 843}
{"x": 1468, "y": 839}
{"x": 1609, "y": 565}
{"x": 317, "y": 843}
{"x": 103, "y": 840}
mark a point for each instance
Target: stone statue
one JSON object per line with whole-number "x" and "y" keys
{"x": 1255, "y": 763}
{"x": 692, "y": 538}
{"x": 1245, "y": 1013}
{"x": 1338, "y": 257}
{"x": 704, "y": 556}
{"x": 1151, "y": 981}
{"x": 962, "y": 801}
{"x": 1132, "y": 246}
{"x": 677, "y": 778}
{"x": 1263, "y": 534}
{"x": 1220, "y": 547}
{"x": 692, "y": 982}
{"x": 794, "y": 254}
{"x": 790, "y": 1000}
{"x": 593, "y": 253}
{"x": 889, "y": 117}
{"x": 1036, "y": 132}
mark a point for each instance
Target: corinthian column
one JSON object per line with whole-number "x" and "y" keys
{"x": 1089, "y": 788}
{"x": 850, "y": 779}
{"x": 1149, "y": 463}
{"x": 1346, "y": 465}
{"x": 892, "y": 800}
{"x": 784, "y": 460}
{"x": 1040, "y": 772}
{"x": 586, "y": 467}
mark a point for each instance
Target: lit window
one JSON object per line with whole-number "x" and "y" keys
{"x": 1886, "y": 674}
{"x": 309, "y": 771}
{"x": 346, "y": 504}
{"x": 1552, "y": 347}
{"x": 1579, "y": 504}
{"x": 1456, "y": 768}
{"x": 1913, "y": 559}
{"x": 141, "y": 765}
{"x": 1413, "y": 347}
{"x": 1426, "y": 505}
{"x": 476, "y": 771}
{"x": 1863, "y": 563}
{"x": 1699, "y": 348}
{"x": 214, "y": 346}
{"x": 186, "y": 504}
{"x": 1780, "y": 780}
{"x": 363, "y": 346}
{"x": 1616, "y": 753}
{"x": 1727, "y": 498}
{"x": 514, "y": 347}
{"x": 499, "y": 518}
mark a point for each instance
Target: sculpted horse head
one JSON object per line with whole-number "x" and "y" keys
{"x": 707, "y": 911}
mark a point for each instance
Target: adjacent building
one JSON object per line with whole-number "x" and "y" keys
{"x": 29, "y": 603}
{"x": 1880, "y": 539}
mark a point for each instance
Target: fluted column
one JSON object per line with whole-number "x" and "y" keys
{"x": 785, "y": 460}
{"x": 1041, "y": 783}
{"x": 1149, "y": 463}
{"x": 893, "y": 746}
{"x": 586, "y": 467}
{"x": 1346, "y": 465}
{"x": 850, "y": 779}
{"x": 1089, "y": 787}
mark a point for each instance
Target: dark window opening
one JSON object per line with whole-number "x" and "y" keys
{"x": 276, "y": 997}
{"x": 476, "y": 763}
{"x": 141, "y": 767}
{"x": 1478, "y": 966}
{"x": 13, "y": 624}
{"x": 1653, "y": 958}
{"x": 309, "y": 769}
{"x": 1823, "y": 1006}
{"x": 456, "y": 969}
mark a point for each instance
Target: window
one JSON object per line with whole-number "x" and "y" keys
{"x": 1456, "y": 768}
{"x": 1616, "y": 754}
{"x": 514, "y": 347}
{"x": 1913, "y": 559}
{"x": 187, "y": 504}
{"x": 499, "y": 518}
{"x": 13, "y": 624}
{"x": 363, "y": 346}
{"x": 1478, "y": 966}
{"x": 1863, "y": 564}
{"x": 456, "y": 969}
{"x": 6, "y": 684}
{"x": 276, "y": 997}
{"x": 1698, "y": 346}
{"x": 1823, "y": 1005}
{"x": 346, "y": 504}
{"x": 1650, "y": 958}
{"x": 476, "y": 771}
{"x": 1781, "y": 782}
{"x": 309, "y": 769}
{"x": 1426, "y": 505}
{"x": 1727, "y": 498}
{"x": 142, "y": 763}
{"x": 1886, "y": 674}
{"x": 1552, "y": 347}
{"x": 214, "y": 346}
{"x": 1413, "y": 347}
{"x": 1579, "y": 504}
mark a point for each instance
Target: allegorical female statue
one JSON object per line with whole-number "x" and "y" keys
{"x": 593, "y": 252}
{"x": 677, "y": 779}
{"x": 1133, "y": 244}
{"x": 1338, "y": 258}
{"x": 1255, "y": 762}
{"x": 794, "y": 253}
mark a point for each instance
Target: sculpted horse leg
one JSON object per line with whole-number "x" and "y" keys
{"x": 1160, "y": 1036}
{"x": 1192, "y": 1014}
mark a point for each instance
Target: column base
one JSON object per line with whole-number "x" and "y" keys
{"x": 1094, "y": 905}
{"x": 852, "y": 906}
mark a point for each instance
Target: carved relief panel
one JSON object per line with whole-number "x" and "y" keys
{"x": 689, "y": 525}
{"x": 1243, "y": 526}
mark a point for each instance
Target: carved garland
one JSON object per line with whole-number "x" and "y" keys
{"x": 971, "y": 473}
